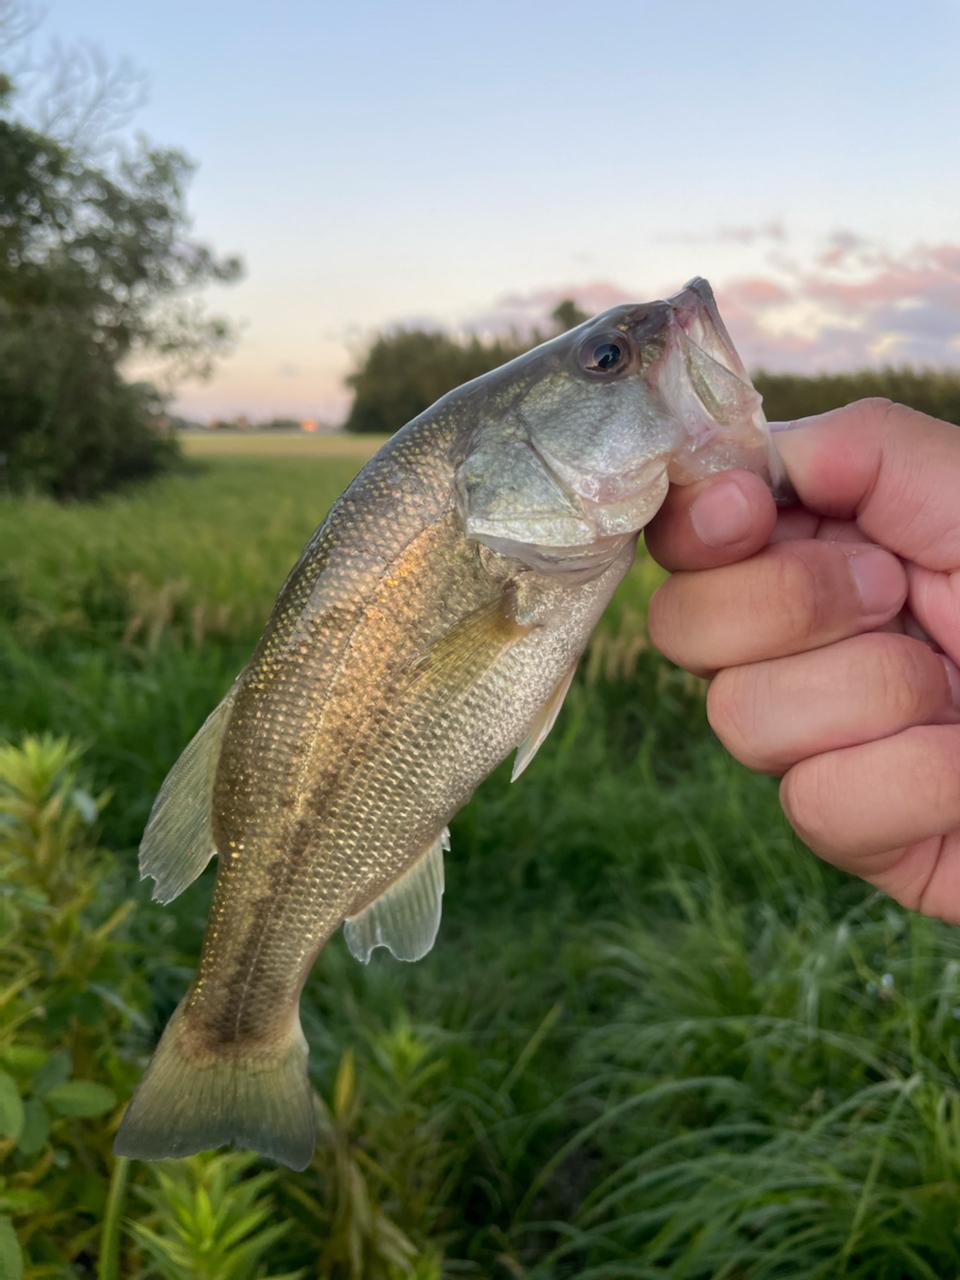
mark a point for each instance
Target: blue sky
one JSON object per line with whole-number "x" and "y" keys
{"x": 467, "y": 164}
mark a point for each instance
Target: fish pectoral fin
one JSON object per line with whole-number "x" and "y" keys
{"x": 178, "y": 841}
{"x": 405, "y": 919}
{"x": 465, "y": 651}
{"x": 544, "y": 722}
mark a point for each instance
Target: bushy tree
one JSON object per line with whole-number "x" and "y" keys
{"x": 405, "y": 372}
{"x": 95, "y": 267}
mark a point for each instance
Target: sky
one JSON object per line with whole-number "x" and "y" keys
{"x": 467, "y": 165}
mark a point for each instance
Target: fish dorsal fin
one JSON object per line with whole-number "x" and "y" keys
{"x": 178, "y": 842}
{"x": 544, "y": 722}
{"x": 405, "y": 918}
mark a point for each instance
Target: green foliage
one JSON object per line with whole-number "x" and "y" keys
{"x": 374, "y": 1156}
{"x": 567, "y": 315}
{"x": 210, "y": 1221}
{"x": 93, "y": 261}
{"x": 141, "y": 609}
{"x": 68, "y": 998}
{"x": 403, "y": 373}
{"x": 655, "y": 1038}
{"x": 791, "y": 395}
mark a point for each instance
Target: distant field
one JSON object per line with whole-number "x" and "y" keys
{"x": 221, "y": 443}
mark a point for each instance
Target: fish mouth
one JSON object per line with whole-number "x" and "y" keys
{"x": 695, "y": 313}
{"x": 727, "y": 429}
{"x": 567, "y": 497}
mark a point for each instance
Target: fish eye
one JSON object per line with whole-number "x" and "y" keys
{"x": 604, "y": 354}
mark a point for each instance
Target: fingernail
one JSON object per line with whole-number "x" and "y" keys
{"x": 721, "y": 515}
{"x": 953, "y": 677}
{"x": 879, "y": 578}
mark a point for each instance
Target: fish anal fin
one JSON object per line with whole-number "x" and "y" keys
{"x": 178, "y": 841}
{"x": 544, "y": 722}
{"x": 406, "y": 917}
{"x": 258, "y": 1097}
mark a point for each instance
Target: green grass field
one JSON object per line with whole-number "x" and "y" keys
{"x": 279, "y": 444}
{"x": 656, "y": 1038}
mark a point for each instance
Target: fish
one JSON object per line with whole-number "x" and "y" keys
{"x": 431, "y": 626}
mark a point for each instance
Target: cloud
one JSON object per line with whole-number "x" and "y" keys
{"x": 852, "y": 306}
{"x": 522, "y": 313}
{"x": 848, "y": 304}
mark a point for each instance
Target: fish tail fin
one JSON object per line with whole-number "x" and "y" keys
{"x": 189, "y": 1101}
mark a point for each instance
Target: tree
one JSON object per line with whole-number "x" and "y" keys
{"x": 567, "y": 315}
{"x": 403, "y": 373}
{"x": 95, "y": 267}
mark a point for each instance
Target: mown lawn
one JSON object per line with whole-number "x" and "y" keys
{"x": 655, "y": 1036}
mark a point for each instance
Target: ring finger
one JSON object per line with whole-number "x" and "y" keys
{"x": 771, "y": 715}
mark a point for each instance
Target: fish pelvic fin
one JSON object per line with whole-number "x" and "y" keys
{"x": 544, "y": 722}
{"x": 256, "y": 1096}
{"x": 178, "y": 841}
{"x": 406, "y": 918}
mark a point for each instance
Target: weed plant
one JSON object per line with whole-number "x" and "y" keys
{"x": 656, "y": 1038}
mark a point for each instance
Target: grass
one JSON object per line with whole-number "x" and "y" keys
{"x": 656, "y": 1038}
{"x": 220, "y": 444}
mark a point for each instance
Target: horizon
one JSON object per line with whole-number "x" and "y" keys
{"x": 467, "y": 170}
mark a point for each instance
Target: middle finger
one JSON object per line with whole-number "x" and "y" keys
{"x": 789, "y": 598}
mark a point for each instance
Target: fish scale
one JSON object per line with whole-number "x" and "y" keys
{"x": 431, "y": 626}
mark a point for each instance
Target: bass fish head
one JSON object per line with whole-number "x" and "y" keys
{"x": 577, "y": 441}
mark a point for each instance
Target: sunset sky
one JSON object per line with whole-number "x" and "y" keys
{"x": 467, "y": 165}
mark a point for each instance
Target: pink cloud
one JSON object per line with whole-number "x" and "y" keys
{"x": 850, "y": 304}
{"x": 522, "y": 313}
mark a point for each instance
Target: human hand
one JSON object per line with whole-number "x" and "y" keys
{"x": 807, "y": 622}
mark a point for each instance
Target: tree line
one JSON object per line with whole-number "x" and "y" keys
{"x": 404, "y": 372}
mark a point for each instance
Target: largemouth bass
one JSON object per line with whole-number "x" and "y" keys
{"x": 431, "y": 626}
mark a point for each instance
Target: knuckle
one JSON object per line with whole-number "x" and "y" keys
{"x": 738, "y": 708}
{"x": 724, "y": 709}
{"x": 808, "y": 798}
{"x": 908, "y": 686}
{"x": 663, "y": 619}
{"x": 895, "y": 674}
{"x": 932, "y": 773}
{"x": 793, "y": 594}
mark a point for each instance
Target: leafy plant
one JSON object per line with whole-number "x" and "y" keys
{"x": 656, "y": 1037}
{"x": 209, "y": 1221}
{"x": 363, "y": 1168}
{"x": 67, "y": 999}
